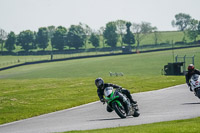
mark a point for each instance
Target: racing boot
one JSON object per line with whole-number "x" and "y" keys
{"x": 132, "y": 101}
{"x": 134, "y": 104}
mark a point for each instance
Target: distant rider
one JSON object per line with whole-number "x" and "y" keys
{"x": 100, "y": 91}
{"x": 191, "y": 71}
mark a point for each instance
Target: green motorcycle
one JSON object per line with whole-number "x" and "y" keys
{"x": 120, "y": 103}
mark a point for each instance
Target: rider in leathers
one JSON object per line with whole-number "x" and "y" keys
{"x": 100, "y": 91}
{"x": 191, "y": 71}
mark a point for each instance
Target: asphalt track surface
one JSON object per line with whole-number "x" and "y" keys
{"x": 173, "y": 103}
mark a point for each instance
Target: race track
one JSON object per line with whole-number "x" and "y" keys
{"x": 162, "y": 105}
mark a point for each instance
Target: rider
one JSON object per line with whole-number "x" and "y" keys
{"x": 191, "y": 71}
{"x": 100, "y": 91}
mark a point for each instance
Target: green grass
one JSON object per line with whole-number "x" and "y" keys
{"x": 13, "y": 60}
{"x": 10, "y": 60}
{"x": 130, "y": 65}
{"x": 164, "y": 37}
{"x": 41, "y": 88}
{"x": 25, "y": 98}
{"x": 178, "y": 126}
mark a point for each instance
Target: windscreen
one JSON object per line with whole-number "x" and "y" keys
{"x": 195, "y": 77}
{"x": 108, "y": 91}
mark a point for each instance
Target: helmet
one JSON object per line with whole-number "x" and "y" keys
{"x": 191, "y": 67}
{"x": 99, "y": 82}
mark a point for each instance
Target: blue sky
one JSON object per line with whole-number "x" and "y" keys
{"x": 19, "y": 15}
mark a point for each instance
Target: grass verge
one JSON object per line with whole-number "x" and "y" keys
{"x": 20, "y": 99}
{"x": 178, "y": 126}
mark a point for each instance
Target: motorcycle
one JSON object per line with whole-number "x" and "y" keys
{"x": 195, "y": 84}
{"x": 120, "y": 103}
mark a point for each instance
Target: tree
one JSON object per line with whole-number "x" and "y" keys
{"x": 128, "y": 38}
{"x": 87, "y": 32}
{"x": 42, "y": 38}
{"x": 25, "y": 39}
{"x": 10, "y": 42}
{"x": 58, "y": 40}
{"x": 3, "y": 37}
{"x": 121, "y": 29}
{"x": 198, "y": 27}
{"x": 76, "y": 36}
{"x": 141, "y": 30}
{"x": 101, "y": 30}
{"x": 192, "y": 31}
{"x": 110, "y": 34}
{"x": 94, "y": 39}
{"x": 181, "y": 21}
{"x": 51, "y": 30}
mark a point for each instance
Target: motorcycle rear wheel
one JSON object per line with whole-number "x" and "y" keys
{"x": 136, "y": 114}
{"x": 198, "y": 93}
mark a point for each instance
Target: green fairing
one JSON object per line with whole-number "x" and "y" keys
{"x": 109, "y": 98}
{"x": 113, "y": 99}
{"x": 119, "y": 103}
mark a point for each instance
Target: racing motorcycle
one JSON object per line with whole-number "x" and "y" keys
{"x": 195, "y": 84}
{"x": 120, "y": 103}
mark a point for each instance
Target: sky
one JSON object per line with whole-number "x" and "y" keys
{"x": 20, "y": 15}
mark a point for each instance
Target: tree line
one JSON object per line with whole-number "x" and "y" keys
{"x": 77, "y": 36}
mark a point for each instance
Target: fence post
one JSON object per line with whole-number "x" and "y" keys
{"x": 184, "y": 62}
{"x": 176, "y": 58}
{"x": 193, "y": 59}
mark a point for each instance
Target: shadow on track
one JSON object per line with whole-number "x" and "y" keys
{"x": 109, "y": 119}
{"x": 190, "y": 103}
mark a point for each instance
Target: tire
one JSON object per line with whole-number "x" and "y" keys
{"x": 136, "y": 114}
{"x": 198, "y": 93}
{"x": 119, "y": 110}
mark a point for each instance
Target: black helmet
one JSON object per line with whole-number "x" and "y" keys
{"x": 191, "y": 67}
{"x": 99, "y": 82}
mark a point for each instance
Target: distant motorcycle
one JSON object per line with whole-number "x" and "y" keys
{"x": 122, "y": 107}
{"x": 195, "y": 84}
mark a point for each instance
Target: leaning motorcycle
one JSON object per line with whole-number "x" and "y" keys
{"x": 195, "y": 84}
{"x": 120, "y": 103}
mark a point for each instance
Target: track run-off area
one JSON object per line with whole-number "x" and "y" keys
{"x": 173, "y": 103}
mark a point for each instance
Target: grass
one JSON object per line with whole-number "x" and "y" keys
{"x": 178, "y": 126}
{"x": 13, "y": 60}
{"x": 135, "y": 65}
{"x": 25, "y": 98}
{"x": 41, "y": 88}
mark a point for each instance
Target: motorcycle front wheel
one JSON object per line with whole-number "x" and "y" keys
{"x": 120, "y": 110}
